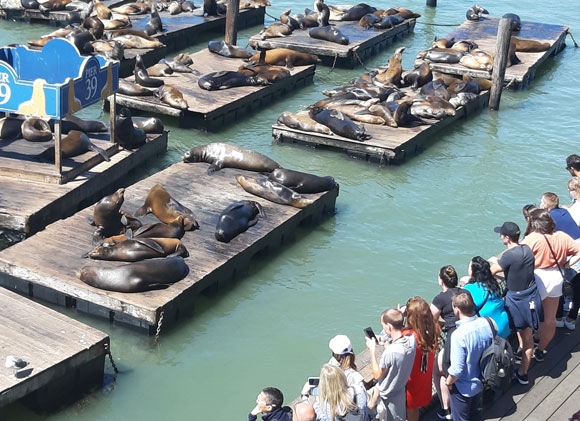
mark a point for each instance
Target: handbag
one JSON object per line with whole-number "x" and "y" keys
{"x": 567, "y": 287}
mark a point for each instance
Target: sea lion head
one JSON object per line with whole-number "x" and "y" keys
{"x": 194, "y": 155}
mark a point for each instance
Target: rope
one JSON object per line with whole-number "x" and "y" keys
{"x": 438, "y": 24}
{"x": 359, "y": 60}
{"x": 510, "y": 83}
{"x": 115, "y": 369}
{"x": 156, "y": 340}
{"x": 334, "y": 62}
{"x": 273, "y": 17}
{"x": 573, "y": 40}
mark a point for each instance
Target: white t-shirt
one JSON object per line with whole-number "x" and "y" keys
{"x": 574, "y": 211}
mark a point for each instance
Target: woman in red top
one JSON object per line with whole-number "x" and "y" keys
{"x": 421, "y": 324}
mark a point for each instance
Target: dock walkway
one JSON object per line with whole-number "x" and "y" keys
{"x": 364, "y": 43}
{"x": 50, "y": 275}
{"x": 64, "y": 357}
{"x": 484, "y": 33}
{"x": 213, "y": 110}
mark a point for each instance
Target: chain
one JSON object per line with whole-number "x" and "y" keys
{"x": 334, "y": 62}
{"x": 571, "y": 36}
{"x": 510, "y": 83}
{"x": 115, "y": 369}
{"x": 156, "y": 340}
{"x": 273, "y": 17}
{"x": 359, "y": 60}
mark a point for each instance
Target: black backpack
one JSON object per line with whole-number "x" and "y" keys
{"x": 497, "y": 362}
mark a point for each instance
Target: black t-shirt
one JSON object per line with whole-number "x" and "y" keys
{"x": 443, "y": 302}
{"x": 518, "y": 266}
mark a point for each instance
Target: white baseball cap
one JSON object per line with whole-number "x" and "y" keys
{"x": 340, "y": 345}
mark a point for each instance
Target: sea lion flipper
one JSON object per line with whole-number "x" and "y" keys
{"x": 143, "y": 210}
{"x": 216, "y": 166}
{"x": 91, "y": 221}
{"x": 85, "y": 255}
{"x": 152, "y": 244}
{"x": 100, "y": 151}
{"x": 129, "y": 234}
{"x": 97, "y": 237}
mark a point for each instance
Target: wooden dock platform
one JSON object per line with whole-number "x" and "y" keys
{"x": 364, "y": 43}
{"x": 65, "y": 357}
{"x": 30, "y": 205}
{"x": 182, "y": 31}
{"x": 388, "y": 145}
{"x": 484, "y": 33}
{"x": 59, "y": 17}
{"x": 213, "y": 110}
{"x": 51, "y": 274}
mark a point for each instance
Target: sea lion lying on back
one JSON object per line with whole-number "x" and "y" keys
{"x": 273, "y": 191}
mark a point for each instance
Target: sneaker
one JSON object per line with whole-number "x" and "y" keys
{"x": 536, "y": 341}
{"x": 560, "y": 323}
{"x": 444, "y": 414}
{"x": 539, "y": 355}
{"x": 518, "y": 354}
{"x": 522, "y": 378}
{"x": 569, "y": 325}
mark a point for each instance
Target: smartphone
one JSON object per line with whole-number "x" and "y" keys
{"x": 370, "y": 334}
{"x": 314, "y": 381}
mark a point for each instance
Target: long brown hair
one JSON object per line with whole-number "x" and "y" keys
{"x": 346, "y": 360}
{"x": 421, "y": 320}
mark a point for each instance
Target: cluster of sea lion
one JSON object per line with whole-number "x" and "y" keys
{"x": 387, "y": 96}
{"x": 319, "y": 27}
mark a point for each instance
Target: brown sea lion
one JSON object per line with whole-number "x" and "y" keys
{"x": 225, "y": 155}
{"x": 302, "y": 122}
{"x": 102, "y": 11}
{"x": 273, "y": 191}
{"x": 484, "y": 84}
{"x": 418, "y": 76}
{"x": 236, "y": 219}
{"x": 174, "y": 8}
{"x": 172, "y": 97}
{"x": 159, "y": 69}
{"x": 512, "y": 58}
{"x": 394, "y": 114}
{"x": 394, "y": 71}
{"x": 442, "y": 43}
{"x": 466, "y": 46}
{"x": 286, "y": 57}
{"x": 463, "y": 87}
{"x": 132, "y": 89}
{"x": 158, "y": 230}
{"x": 270, "y": 73}
{"x": 148, "y": 125}
{"x": 36, "y": 130}
{"x": 432, "y": 107}
{"x": 132, "y": 8}
{"x": 136, "y": 277}
{"x": 224, "y": 49}
{"x": 407, "y": 14}
{"x": 288, "y": 20}
{"x": 446, "y": 79}
{"x": 128, "y": 31}
{"x": 184, "y": 58}
{"x": 115, "y": 24}
{"x": 369, "y": 20}
{"x": 95, "y": 26}
{"x": 435, "y": 88}
{"x": 339, "y": 124}
{"x": 107, "y": 216}
{"x": 441, "y": 55}
{"x": 134, "y": 41}
{"x": 74, "y": 144}
{"x": 275, "y": 30}
{"x": 39, "y": 42}
{"x": 302, "y": 182}
{"x": 160, "y": 203}
{"x": 136, "y": 249}
{"x": 530, "y": 45}
{"x": 477, "y": 59}
{"x": 53, "y": 5}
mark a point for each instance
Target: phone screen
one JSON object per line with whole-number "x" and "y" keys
{"x": 313, "y": 381}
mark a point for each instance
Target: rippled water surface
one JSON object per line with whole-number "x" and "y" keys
{"x": 394, "y": 228}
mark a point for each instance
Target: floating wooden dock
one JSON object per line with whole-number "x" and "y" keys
{"x": 364, "y": 43}
{"x": 212, "y": 110}
{"x": 65, "y": 357}
{"x": 182, "y": 31}
{"x": 60, "y": 17}
{"x": 51, "y": 274}
{"x": 388, "y": 145}
{"x": 30, "y": 205}
{"x": 484, "y": 33}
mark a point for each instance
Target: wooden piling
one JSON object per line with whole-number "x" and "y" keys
{"x": 231, "y": 36}
{"x": 432, "y": 3}
{"x": 502, "y": 45}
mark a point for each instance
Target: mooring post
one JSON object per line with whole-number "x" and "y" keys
{"x": 112, "y": 116}
{"x": 57, "y": 146}
{"x": 232, "y": 21}
{"x": 502, "y": 46}
{"x": 432, "y": 3}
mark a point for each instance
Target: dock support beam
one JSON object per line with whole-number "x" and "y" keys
{"x": 57, "y": 146}
{"x": 432, "y": 3}
{"x": 232, "y": 22}
{"x": 502, "y": 45}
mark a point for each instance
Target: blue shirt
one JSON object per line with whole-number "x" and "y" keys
{"x": 493, "y": 307}
{"x": 468, "y": 341}
{"x": 564, "y": 222}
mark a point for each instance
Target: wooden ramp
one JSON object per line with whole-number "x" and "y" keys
{"x": 182, "y": 31}
{"x": 29, "y": 205}
{"x": 214, "y": 110}
{"x": 484, "y": 33}
{"x": 388, "y": 145}
{"x": 65, "y": 357}
{"x": 364, "y": 43}
{"x": 50, "y": 274}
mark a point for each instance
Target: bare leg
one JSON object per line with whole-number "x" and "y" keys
{"x": 548, "y": 327}
{"x": 439, "y": 381}
{"x": 527, "y": 344}
{"x": 412, "y": 414}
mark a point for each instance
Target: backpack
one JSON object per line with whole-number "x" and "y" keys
{"x": 497, "y": 362}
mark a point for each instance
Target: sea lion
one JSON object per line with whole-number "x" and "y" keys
{"x": 228, "y": 79}
{"x": 39, "y": 42}
{"x": 177, "y": 66}
{"x": 136, "y": 277}
{"x": 465, "y": 45}
{"x": 477, "y": 59}
{"x": 74, "y": 144}
{"x": 446, "y": 79}
{"x": 302, "y": 182}
{"x": 174, "y": 8}
{"x": 30, "y": 4}
{"x": 210, "y": 8}
{"x": 95, "y": 26}
{"x": 108, "y": 217}
{"x": 474, "y": 12}
{"x": 72, "y": 122}
{"x": 158, "y": 230}
{"x": 339, "y": 124}
{"x": 148, "y": 125}
{"x": 432, "y": 107}
{"x": 154, "y": 25}
{"x": 435, "y": 88}
{"x": 136, "y": 249}
{"x": 443, "y": 43}
{"x": 275, "y": 30}
{"x": 462, "y": 98}
{"x": 115, "y": 24}
{"x": 36, "y": 130}
{"x": 463, "y": 87}
{"x": 10, "y": 128}
{"x": 187, "y": 6}
{"x": 407, "y": 14}
{"x": 388, "y": 22}
{"x": 323, "y": 13}
{"x": 270, "y": 73}
{"x": 184, "y": 58}
{"x": 369, "y": 20}
{"x": 286, "y": 57}
{"x": 273, "y": 191}
{"x": 389, "y": 115}
{"x": 132, "y": 8}
{"x": 512, "y": 57}
{"x": 132, "y": 89}
{"x": 128, "y": 31}
{"x": 288, "y": 20}
{"x": 53, "y": 5}
{"x": 160, "y": 203}
{"x": 82, "y": 40}
{"x": 172, "y": 97}
{"x": 224, "y": 49}
{"x": 126, "y": 134}
{"x": 237, "y": 218}
{"x": 357, "y": 12}
{"x": 418, "y": 76}
{"x": 142, "y": 77}
{"x": 516, "y": 21}
{"x": 225, "y": 155}
{"x": 102, "y": 11}
{"x": 483, "y": 84}
{"x": 306, "y": 21}
{"x": 442, "y": 55}
{"x": 134, "y": 41}
{"x": 530, "y": 45}
{"x": 159, "y": 69}
{"x": 302, "y": 122}
{"x": 328, "y": 33}
{"x": 395, "y": 69}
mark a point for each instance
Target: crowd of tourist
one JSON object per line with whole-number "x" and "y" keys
{"x": 440, "y": 343}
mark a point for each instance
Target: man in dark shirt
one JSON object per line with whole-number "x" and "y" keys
{"x": 522, "y": 301}
{"x": 562, "y": 218}
{"x": 573, "y": 165}
{"x": 269, "y": 404}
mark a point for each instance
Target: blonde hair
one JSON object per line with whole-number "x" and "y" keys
{"x": 333, "y": 391}
{"x": 574, "y": 185}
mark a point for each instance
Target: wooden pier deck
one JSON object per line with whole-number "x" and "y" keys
{"x": 364, "y": 43}
{"x": 30, "y": 205}
{"x": 182, "y": 31}
{"x": 51, "y": 274}
{"x": 213, "y": 110}
{"x": 59, "y": 17}
{"x": 484, "y": 33}
{"x": 65, "y": 357}
{"x": 388, "y": 145}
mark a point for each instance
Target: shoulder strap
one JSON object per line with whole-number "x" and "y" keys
{"x": 478, "y": 309}
{"x": 554, "y": 255}
{"x": 492, "y": 326}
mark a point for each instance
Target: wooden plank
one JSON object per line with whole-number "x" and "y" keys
{"x": 59, "y": 247}
{"x": 568, "y": 408}
{"x": 209, "y": 109}
{"x": 363, "y": 42}
{"x": 484, "y": 33}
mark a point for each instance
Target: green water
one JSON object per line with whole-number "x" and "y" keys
{"x": 394, "y": 228}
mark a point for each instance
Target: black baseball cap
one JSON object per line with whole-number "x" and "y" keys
{"x": 510, "y": 229}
